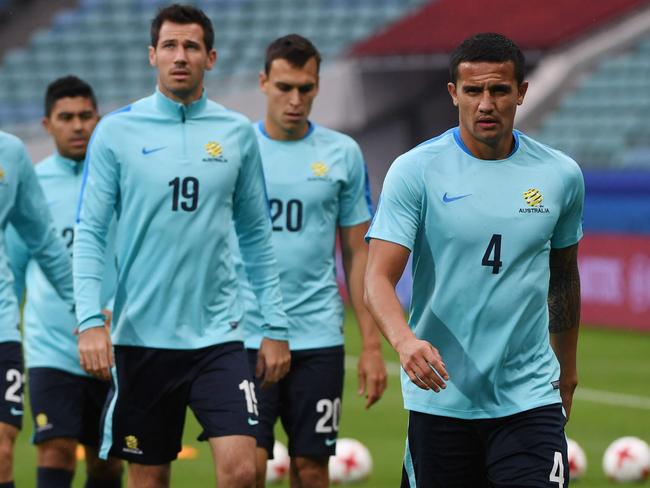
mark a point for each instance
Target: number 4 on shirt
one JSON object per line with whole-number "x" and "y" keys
{"x": 494, "y": 250}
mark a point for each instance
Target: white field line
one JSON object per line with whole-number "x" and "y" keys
{"x": 586, "y": 394}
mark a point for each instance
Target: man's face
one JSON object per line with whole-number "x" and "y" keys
{"x": 71, "y": 123}
{"x": 181, "y": 60}
{"x": 487, "y": 95}
{"x": 290, "y": 92}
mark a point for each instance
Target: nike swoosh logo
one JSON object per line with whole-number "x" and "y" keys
{"x": 330, "y": 442}
{"x": 252, "y": 422}
{"x": 447, "y": 199}
{"x": 15, "y": 411}
{"x": 146, "y": 151}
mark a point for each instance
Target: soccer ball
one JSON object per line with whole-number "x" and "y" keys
{"x": 627, "y": 459}
{"x": 577, "y": 460}
{"x": 278, "y": 467}
{"x": 351, "y": 463}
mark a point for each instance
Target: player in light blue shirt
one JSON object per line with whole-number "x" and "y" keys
{"x": 23, "y": 205}
{"x": 490, "y": 216}
{"x": 317, "y": 185}
{"x": 177, "y": 170}
{"x": 66, "y": 402}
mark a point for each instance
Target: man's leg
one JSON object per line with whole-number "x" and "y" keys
{"x": 261, "y": 460}
{"x": 529, "y": 449}
{"x": 443, "y": 452}
{"x": 223, "y": 399}
{"x": 8, "y": 434}
{"x": 309, "y": 472}
{"x": 311, "y": 412}
{"x": 11, "y": 406}
{"x": 56, "y": 461}
{"x": 100, "y": 473}
{"x": 149, "y": 476}
{"x": 268, "y": 404}
{"x": 234, "y": 459}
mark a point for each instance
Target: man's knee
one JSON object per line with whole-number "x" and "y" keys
{"x": 100, "y": 469}
{"x": 59, "y": 453}
{"x": 311, "y": 471}
{"x": 146, "y": 476}
{"x": 238, "y": 473}
{"x": 8, "y": 434}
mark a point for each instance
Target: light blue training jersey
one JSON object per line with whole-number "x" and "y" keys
{"x": 23, "y": 205}
{"x": 176, "y": 177}
{"x": 48, "y": 322}
{"x": 481, "y": 232}
{"x": 314, "y": 186}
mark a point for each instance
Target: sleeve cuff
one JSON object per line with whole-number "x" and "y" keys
{"x": 276, "y": 333}
{"x": 91, "y": 322}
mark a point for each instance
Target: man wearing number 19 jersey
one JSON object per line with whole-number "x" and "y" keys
{"x": 316, "y": 183}
{"x": 66, "y": 402}
{"x": 177, "y": 170}
{"x": 23, "y": 205}
{"x": 493, "y": 219}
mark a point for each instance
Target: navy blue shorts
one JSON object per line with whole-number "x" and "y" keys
{"x": 66, "y": 405}
{"x": 152, "y": 388}
{"x": 307, "y": 401}
{"x": 12, "y": 380}
{"x": 528, "y": 449}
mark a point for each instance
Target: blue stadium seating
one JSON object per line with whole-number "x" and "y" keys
{"x": 603, "y": 121}
{"x": 105, "y": 42}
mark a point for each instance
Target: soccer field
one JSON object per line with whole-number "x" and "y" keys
{"x": 613, "y": 400}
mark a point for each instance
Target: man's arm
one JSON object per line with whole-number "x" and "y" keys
{"x": 99, "y": 194}
{"x": 420, "y": 360}
{"x": 371, "y": 367}
{"x": 19, "y": 258}
{"x": 564, "y": 317}
{"x": 33, "y": 222}
{"x": 253, "y": 229}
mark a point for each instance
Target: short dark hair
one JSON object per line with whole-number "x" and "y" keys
{"x": 491, "y": 47}
{"x": 67, "y": 86}
{"x": 294, "y": 48}
{"x": 183, "y": 14}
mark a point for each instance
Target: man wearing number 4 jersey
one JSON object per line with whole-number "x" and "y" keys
{"x": 23, "y": 205}
{"x": 177, "y": 170}
{"x": 66, "y": 403}
{"x": 493, "y": 219}
{"x": 316, "y": 183}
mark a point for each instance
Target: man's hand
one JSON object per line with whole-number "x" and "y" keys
{"x": 96, "y": 352}
{"x": 422, "y": 363}
{"x": 273, "y": 361}
{"x": 567, "y": 389}
{"x": 108, "y": 317}
{"x": 372, "y": 375}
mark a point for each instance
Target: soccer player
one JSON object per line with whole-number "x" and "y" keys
{"x": 177, "y": 170}
{"x": 493, "y": 219}
{"x": 316, "y": 184}
{"x": 66, "y": 402}
{"x": 23, "y": 205}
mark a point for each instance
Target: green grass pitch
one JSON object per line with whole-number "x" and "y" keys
{"x": 610, "y": 362}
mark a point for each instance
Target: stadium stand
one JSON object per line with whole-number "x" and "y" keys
{"x": 602, "y": 122}
{"x": 105, "y": 42}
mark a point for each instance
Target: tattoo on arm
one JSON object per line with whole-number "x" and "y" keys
{"x": 564, "y": 289}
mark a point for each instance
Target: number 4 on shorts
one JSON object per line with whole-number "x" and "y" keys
{"x": 557, "y": 473}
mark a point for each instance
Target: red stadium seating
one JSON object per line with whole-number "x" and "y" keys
{"x": 441, "y": 25}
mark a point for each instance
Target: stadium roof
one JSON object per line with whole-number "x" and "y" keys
{"x": 535, "y": 24}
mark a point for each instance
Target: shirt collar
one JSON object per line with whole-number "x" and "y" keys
{"x": 69, "y": 164}
{"x": 178, "y": 110}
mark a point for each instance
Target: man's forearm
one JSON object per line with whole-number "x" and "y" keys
{"x": 354, "y": 267}
{"x": 564, "y": 290}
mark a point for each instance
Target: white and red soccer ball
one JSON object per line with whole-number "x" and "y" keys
{"x": 277, "y": 468}
{"x": 577, "y": 460}
{"x": 351, "y": 463}
{"x": 627, "y": 460}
